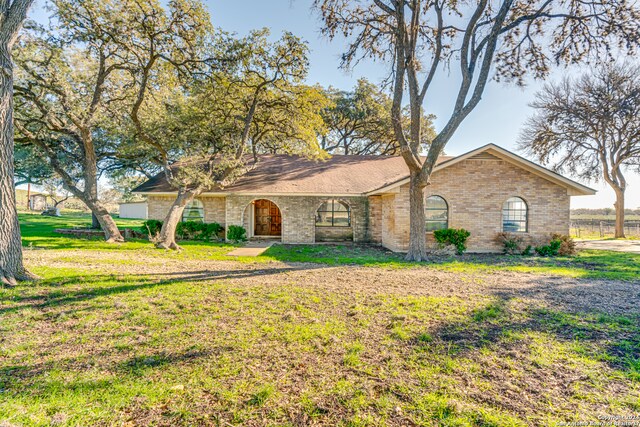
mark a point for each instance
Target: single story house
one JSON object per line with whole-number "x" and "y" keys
{"x": 365, "y": 199}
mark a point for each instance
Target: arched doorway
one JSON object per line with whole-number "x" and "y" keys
{"x": 267, "y": 219}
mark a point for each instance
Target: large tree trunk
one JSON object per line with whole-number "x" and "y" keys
{"x": 417, "y": 220}
{"x": 619, "y": 205}
{"x": 167, "y": 237}
{"x": 107, "y": 224}
{"x": 95, "y": 224}
{"x": 11, "y": 265}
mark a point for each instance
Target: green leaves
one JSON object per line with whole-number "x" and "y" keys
{"x": 359, "y": 122}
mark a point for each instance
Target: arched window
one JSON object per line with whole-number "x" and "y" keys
{"x": 437, "y": 213}
{"x": 194, "y": 211}
{"x": 333, "y": 213}
{"x": 514, "y": 215}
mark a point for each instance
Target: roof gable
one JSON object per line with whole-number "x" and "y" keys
{"x": 493, "y": 151}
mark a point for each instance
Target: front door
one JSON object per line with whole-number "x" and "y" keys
{"x": 268, "y": 221}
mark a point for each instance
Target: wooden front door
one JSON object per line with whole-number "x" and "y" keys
{"x": 268, "y": 221}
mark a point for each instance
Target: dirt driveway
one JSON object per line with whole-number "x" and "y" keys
{"x": 632, "y": 246}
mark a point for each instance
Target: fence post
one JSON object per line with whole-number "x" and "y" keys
{"x": 601, "y": 229}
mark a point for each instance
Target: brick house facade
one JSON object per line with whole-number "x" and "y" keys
{"x": 372, "y": 196}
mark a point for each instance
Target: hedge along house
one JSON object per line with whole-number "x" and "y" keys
{"x": 365, "y": 199}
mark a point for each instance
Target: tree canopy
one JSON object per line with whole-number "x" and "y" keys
{"x": 590, "y": 127}
{"x": 359, "y": 122}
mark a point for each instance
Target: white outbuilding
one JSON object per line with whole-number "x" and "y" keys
{"x": 137, "y": 210}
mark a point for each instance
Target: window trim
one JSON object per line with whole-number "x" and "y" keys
{"x": 332, "y": 212}
{"x": 426, "y": 209}
{"x": 526, "y": 215}
{"x": 190, "y": 207}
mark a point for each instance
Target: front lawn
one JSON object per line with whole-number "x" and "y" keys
{"x": 592, "y": 264}
{"x": 38, "y": 233}
{"x": 128, "y": 335}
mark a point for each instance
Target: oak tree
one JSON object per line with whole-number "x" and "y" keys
{"x": 69, "y": 82}
{"x": 421, "y": 39}
{"x": 359, "y": 122}
{"x": 590, "y": 127}
{"x": 200, "y": 132}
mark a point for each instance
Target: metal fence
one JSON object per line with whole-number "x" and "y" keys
{"x": 602, "y": 228}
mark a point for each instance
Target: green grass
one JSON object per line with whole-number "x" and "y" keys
{"x": 99, "y": 348}
{"x": 97, "y": 342}
{"x": 595, "y": 217}
{"x": 592, "y": 264}
{"x": 38, "y": 232}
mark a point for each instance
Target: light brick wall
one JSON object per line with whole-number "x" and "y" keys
{"x": 159, "y": 206}
{"x": 213, "y": 207}
{"x": 298, "y": 215}
{"x": 334, "y": 234}
{"x": 475, "y": 191}
{"x": 375, "y": 219}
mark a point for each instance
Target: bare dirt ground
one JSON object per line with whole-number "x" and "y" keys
{"x": 631, "y": 246}
{"x": 563, "y": 293}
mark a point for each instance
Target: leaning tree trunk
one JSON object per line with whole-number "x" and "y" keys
{"x": 107, "y": 224}
{"x": 619, "y": 205}
{"x": 11, "y": 265}
{"x": 417, "y": 220}
{"x": 167, "y": 237}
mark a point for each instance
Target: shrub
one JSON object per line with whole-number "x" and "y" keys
{"x": 513, "y": 243}
{"x": 193, "y": 230}
{"x": 528, "y": 251}
{"x": 151, "y": 227}
{"x": 189, "y": 230}
{"x": 549, "y": 250}
{"x": 453, "y": 236}
{"x": 236, "y": 233}
{"x": 567, "y": 246}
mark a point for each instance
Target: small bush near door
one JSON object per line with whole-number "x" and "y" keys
{"x": 236, "y": 233}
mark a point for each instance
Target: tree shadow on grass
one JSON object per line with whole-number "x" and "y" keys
{"x": 573, "y": 314}
{"x": 33, "y": 377}
{"x": 587, "y": 265}
{"x": 112, "y": 285}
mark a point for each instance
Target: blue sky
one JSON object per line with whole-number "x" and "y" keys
{"x": 497, "y": 119}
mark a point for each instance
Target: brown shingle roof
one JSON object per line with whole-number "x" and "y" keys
{"x": 293, "y": 174}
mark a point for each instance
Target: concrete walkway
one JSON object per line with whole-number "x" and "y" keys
{"x": 632, "y": 246}
{"x": 252, "y": 248}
